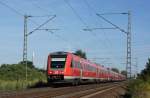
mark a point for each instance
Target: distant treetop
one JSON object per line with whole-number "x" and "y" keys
{"x": 80, "y": 53}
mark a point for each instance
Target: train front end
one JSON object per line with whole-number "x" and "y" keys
{"x": 57, "y": 67}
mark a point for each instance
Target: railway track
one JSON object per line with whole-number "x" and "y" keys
{"x": 89, "y": 93}
{"x": 82, "y": 91}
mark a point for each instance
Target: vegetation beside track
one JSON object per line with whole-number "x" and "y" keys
{"x": 140, "y": 87}
{"x": 13, "y": 76}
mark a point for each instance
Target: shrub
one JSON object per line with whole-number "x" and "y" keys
{"x": 12, "y": 77}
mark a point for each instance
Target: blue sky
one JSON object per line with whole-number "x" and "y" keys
{"x": 105, "y": 44}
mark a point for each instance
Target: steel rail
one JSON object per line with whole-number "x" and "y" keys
{"x": 61, "y": 92}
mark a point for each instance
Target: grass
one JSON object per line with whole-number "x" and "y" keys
{"x": 12, "y": 77}
{"x": 139, "y": 88}
{"x": 18, "y": 85}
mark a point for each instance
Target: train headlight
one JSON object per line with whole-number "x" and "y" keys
{"x": 50, "y": 72}
{"x": 62, "y": 72}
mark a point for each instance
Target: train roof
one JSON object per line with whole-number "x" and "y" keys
{"x": 59, "y": 53}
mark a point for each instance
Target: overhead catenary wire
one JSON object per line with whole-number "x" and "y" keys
{"x": 43, "y": 9}
{"x": 21, "y": 14}
{"x": 11, "y": 8}
{"x": 74, "y": 11}
{"x": 44, "y": 16}
{"x": 89, "y": 6}
{"x": 56, "y": 35}
{"x": 112, "y": 13}
{"x": 103, "y": 28}
{"x": 42, "y": 25}
{"x": 39, "y": 7}
{"x": 77, "y": 16}
{"x": 81, "y": 20}
{"x": 117, "y": 27}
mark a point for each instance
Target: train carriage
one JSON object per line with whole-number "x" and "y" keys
{"x": 67, "y": 67}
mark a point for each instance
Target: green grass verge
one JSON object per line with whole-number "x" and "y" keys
{"x": 139, "y": 88}
{"x": 13, "y": 77}
{"x": 18, "y": 85}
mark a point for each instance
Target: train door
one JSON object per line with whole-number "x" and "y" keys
{"x": 81, "y": 70}
{"x": 75, "y": 69}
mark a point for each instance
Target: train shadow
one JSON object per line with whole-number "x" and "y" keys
{"x": 39, "y": 84}
{"x": 42, "y": 84}
{"x": 59, "y": 85}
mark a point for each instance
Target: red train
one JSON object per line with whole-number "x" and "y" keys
{"x": 67, "y": 67}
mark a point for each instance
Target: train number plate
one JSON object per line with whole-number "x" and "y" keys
{"x": 56, "y": 72}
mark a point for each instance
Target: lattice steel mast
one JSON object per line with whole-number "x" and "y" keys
{"x": 128, "y": 63}
{"x": 26, "y": 34}
{"x": 25, "y": 55}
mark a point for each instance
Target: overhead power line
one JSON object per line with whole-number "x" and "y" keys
{"x": 56, "y": 35}
{"x": 41, "y": 25}
{"x": 39, "y": 7}
{"x": 89, "y": 6}
{"x": 11, "y": 8}
{"x": 79, "y": 17}
{"x": 81, "y": 20}
{"x": 44, "y": 16}
{"x": 117, "y": 27}
{"x": 74, "y": 11}
{"x": 51, "y": 30}
{"x": 112, "y": 13}
{"x": 102, "y": 28}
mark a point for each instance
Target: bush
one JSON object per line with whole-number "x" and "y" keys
{"x": 139, "y": 89}
{"x": 13, "y": 77}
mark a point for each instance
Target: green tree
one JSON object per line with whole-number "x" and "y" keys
{"x": 115, "y": 70}
{"x": 145, "y": 74}
{"x": 80, "y": 53}
{"x": 12, "y": 72}
{"x": 29, "y": 63}
{"x": 123, "y": 72}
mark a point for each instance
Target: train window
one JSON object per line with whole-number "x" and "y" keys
{"x": 57, "y": 64}
{"x": 85, "y": 67}
{"x": 72, "y": 63}
{"x": 79, "y": 65}
{"x": 76, "y": 64}
{"x": 90, "y": 67}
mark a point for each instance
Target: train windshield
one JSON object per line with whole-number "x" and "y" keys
{"x": 57, "y": 63}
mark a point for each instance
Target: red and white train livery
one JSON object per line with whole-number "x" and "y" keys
{"x": 67, "y": 67}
